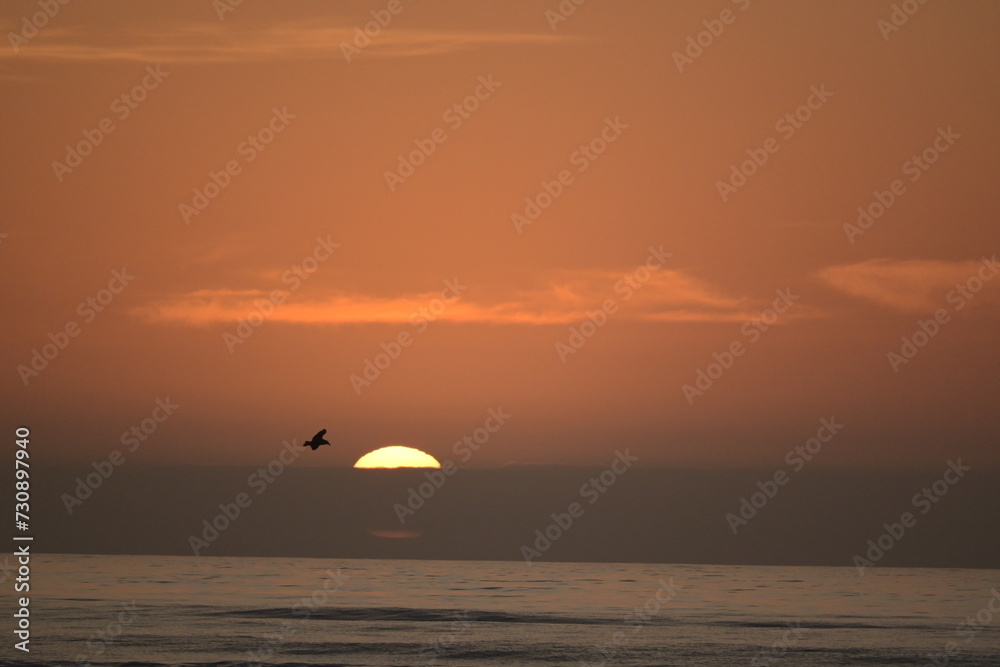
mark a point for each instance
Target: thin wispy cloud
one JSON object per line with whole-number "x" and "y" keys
{"x": 231, "y": 42}
{"x": 667, "y": 296}
{"x": 918, "y": 285}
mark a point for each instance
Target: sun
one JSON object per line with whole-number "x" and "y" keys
{"x": 397, "y": 457}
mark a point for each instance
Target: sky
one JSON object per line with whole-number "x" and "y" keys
{"x": 636, "y": 225}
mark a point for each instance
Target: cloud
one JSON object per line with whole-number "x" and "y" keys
{"x": 667, "y": 296}
{"x": 319, "y": 38}
{"x": 917, "y": 285}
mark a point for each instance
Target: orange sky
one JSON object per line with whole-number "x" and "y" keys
{"x": 594, "y": 123}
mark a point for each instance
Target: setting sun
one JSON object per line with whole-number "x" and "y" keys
{"x": 397, "y": 457}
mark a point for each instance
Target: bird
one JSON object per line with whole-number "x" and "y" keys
{"x": 316, "y": 441}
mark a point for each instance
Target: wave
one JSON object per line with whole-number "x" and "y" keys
{"x": 409, "y": 614}
{"x": 621, "y": 619}
{"x": 823, "y": 625}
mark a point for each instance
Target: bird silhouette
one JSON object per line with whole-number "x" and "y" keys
{"x": 316, "y": 441}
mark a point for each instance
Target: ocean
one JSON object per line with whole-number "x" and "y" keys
{"x": 153, "y": 610}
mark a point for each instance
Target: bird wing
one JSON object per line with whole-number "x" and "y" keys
{"x": 319, "y": 435}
